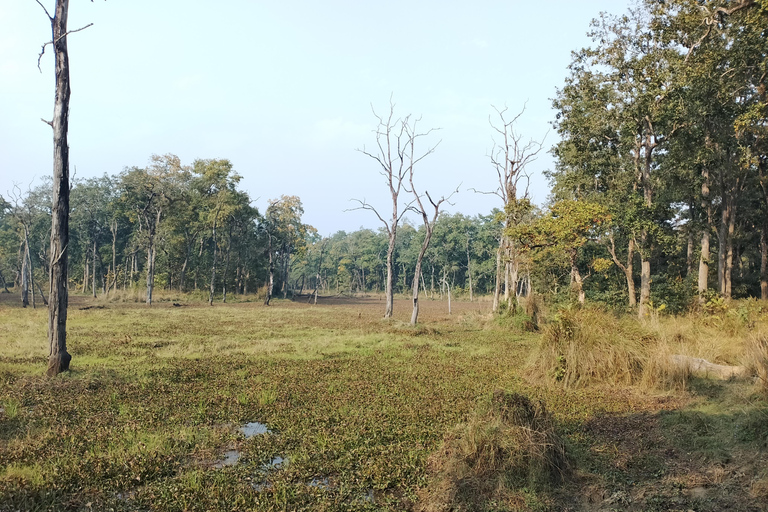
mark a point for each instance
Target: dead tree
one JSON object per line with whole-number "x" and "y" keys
{"x": 509, "y": 157}
{"x": 429, "y": 226}
{"x": 395, "y": 154}
{"x": 58, "y": 357}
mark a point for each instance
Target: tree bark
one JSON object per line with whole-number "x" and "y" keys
{"x": 628, "y": 269}
{"x": 58, "y": 357}
{"x": 706, "y": 207}
{"x": 390, "y": 297}
{"x": 93, "y": 284}
{"x": 151, "y": 252}
{"x": 271, "y": 280}
{"x": 764, "y": 262}
{"x": 497, "y": 288}
{"x": 24, "y": 275}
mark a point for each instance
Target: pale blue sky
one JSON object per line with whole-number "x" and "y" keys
{"x": 283, "y": 90}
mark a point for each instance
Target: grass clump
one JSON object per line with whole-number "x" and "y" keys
{"x": 586, "y": 346}
{"x": 508, "y": 448}
{"x": 757, "y": 360}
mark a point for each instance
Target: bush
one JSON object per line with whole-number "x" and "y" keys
{"x": 509, "y": 444}
{"x": 583, "y": 346}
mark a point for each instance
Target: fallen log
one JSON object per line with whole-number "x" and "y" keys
{"x": 704, "y": 368}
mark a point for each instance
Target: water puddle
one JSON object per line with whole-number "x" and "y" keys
{"x": 321, "y": 483}
{"x": 230, "y": 459}
{"x": 254, "y": 429}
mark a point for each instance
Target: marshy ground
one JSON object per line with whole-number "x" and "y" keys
{"x": 354, "y": 412}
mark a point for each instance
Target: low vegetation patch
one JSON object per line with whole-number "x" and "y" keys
{"x": 509, "y": 444}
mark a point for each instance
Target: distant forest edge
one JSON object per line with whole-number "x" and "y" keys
{"x": 659, "y": 195}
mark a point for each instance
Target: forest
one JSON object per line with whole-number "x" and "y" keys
{"x": 658, "y": 200}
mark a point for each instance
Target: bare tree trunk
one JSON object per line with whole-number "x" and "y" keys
{"x": 226, "y": 268}
{"x": 271, "y": 281}
{"x": 42, "y": 295}
{"x": 151, "y": 252}
{"x": 30, "y": 270}
{"x": 58, "y": 357}
{"x": 448, "y": 287}
{"x": 4, "y": 283}
{"x": 93, "y": 284}
{"x": 728, "y": 275}
{"x": 86, "y": 272}
{"x": 390, "y": 294}
{"x": 706, "y": 206}
{"x": 24, "y": 275}
{"x": 113, "y": 229}
{"x": 577, "y": 283}
{"x": 764, "y": 263}
{"x": 150, "y": 271}
{"x": 645, "y": 277}
{"x": 469, "y": 271}
{"x": 497, "y": 289}
{"x": 286, "y": 261}
{"x": 722, "y": 247}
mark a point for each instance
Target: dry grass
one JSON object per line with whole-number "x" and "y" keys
{"x": 757, "y": 359}
{"x": 508, "y": 445}
{"x": 588, "y": 346}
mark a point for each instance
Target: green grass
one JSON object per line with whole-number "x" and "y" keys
{"x": 156, "y": 395}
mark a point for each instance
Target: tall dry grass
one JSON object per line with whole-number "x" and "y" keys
{"x": 509, "y": 444}
{"x": 588, "y": 346}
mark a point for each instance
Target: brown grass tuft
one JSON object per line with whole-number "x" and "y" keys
{"x": 587, "y": 346}
{"x": 757, "y": 359}
{"x": 509, "y": 444}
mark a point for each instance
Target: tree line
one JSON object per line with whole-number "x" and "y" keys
{"x": 189, "y": 228}
{"x": 659, "y": 194}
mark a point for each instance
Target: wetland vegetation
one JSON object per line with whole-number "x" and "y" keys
{"x": 352, "y": 412}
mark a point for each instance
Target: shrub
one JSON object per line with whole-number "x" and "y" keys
{"x": 508, "y": 445}
{"x": 584, "y": 346}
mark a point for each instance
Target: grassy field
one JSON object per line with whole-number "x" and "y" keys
{"x": 360, "y": 411}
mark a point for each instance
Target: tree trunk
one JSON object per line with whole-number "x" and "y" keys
{"x": 271, "y": 281}
{"x": 417, "y": 274}
{"x": 645, "y": 278}
{"x": 764, "y": 262}
{"x": 469, "y": 271}
{"x": 728, "y": 275}
{"x": 628, "y": 269}
{"x": 226, "y": 268}
{"x": 93, "y": 284}
{"x": 30, "y": 269}
{"x": 24, "y": 276}
{"x": 113, "y": 229}
{"x": 286, "y": 261}
{"x": 706, "y": 207}
{"x": 58, "y": 357}
{"x": 4, "y": 283}
{"x": 213, "y": 265}
{"x": 577, "y": 283}
{"x": 497, "y": 289}
{"x": 390, "y": 296}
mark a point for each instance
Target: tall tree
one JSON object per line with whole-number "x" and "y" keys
{"x": 509, "y": 157}
{"x": 395, "y": 154}
{"x": 58, "y": 357}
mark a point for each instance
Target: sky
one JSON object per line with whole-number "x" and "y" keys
{"x": 285, "y": 91}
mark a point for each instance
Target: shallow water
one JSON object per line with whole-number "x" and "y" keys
{"x": 254, "y": 429}
{"x": 230, "y": 459}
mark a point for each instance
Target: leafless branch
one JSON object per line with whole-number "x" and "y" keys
{"x": 42, "y": 50}
{"x": 49, "y": 123}
{"x": 365, "y": 206}
{"x": 46, "y": 10}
